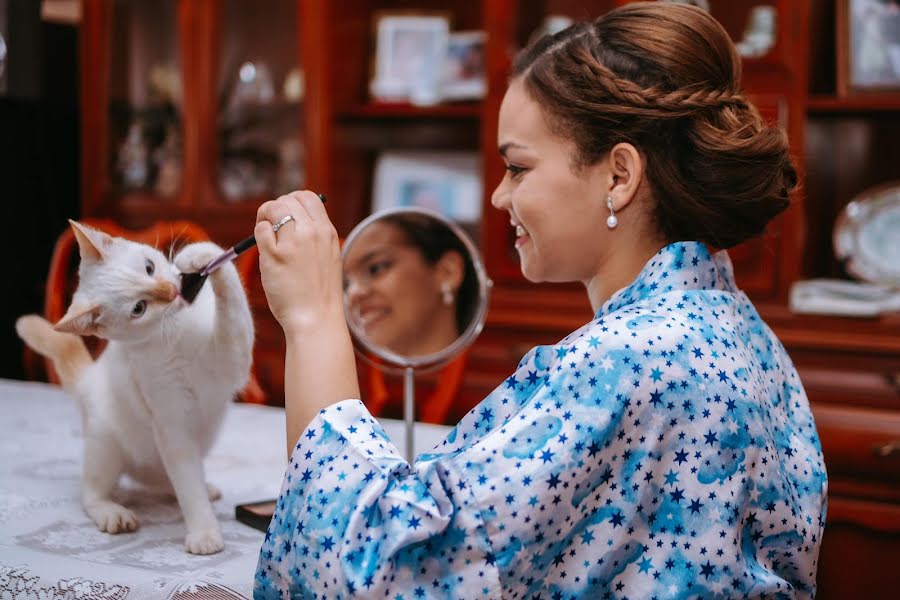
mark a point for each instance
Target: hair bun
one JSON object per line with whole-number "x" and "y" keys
{"x": 666, "y": 78}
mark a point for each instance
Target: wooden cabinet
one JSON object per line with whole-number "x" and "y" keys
{"x": 850, "y": 368}
{"x": 186, "y": 113}
{"x": 842, "y": 144}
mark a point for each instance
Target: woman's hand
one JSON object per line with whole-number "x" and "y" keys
{"x": 300, "y": 265}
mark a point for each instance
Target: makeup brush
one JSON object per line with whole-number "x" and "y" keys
{"x": 192, "y": 283}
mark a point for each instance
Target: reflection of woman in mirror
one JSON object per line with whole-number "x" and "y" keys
{"x": 666, "y": 447}
{"x": 409, "y": 284}
{"x": 411, "y": 288}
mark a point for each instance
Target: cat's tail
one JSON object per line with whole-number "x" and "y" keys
{"x": 67, "y": 350}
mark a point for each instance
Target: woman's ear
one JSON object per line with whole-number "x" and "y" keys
{"x": 451, "y": 268}
{"x": 626, "y": 171}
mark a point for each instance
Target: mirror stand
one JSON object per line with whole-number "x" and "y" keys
{"x": 409, "y": 412}
{"x": 387, "y": 255}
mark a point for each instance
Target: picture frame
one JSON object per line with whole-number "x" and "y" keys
{"x": 409, "y": 54}
{"x": 3, "y": 54}
{"x": 464, "y": 73}
{"x": 868, "y": 46}
{"x": 449, "y": 183}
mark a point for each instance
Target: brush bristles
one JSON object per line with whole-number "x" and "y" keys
{"x": 191, "y": 284}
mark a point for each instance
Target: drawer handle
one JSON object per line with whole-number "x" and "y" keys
{"x": 889, "y": 449}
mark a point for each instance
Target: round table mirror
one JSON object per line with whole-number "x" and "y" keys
{"x": 415, "y": 294}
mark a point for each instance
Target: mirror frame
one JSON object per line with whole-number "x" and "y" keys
{"x": 473, "y": 329}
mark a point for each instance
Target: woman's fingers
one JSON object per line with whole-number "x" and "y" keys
{"x": 312, "y": 203}
{"x": 264, "y": 212}
{"x": 296, "y": 204}
{"x": 265, "y": 237}
{"x": 274, "y": 213}
{"x": 300, "y": 263}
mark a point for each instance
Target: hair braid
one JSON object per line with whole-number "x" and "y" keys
{"x": 666, "y": 78}
{"x": 626, "y": 96}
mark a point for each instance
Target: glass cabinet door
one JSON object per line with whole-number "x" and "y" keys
{"x": 259, "y": 100}
{"x": 753, "y": 25}
{"x": 145, "y": 99}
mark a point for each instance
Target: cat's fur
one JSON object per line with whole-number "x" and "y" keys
{"x": 153, "y": 402}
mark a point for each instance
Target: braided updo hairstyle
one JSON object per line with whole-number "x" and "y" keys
{"x": 666, "y": 78}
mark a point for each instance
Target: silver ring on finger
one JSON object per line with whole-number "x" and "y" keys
{"x": 281, "y": 223}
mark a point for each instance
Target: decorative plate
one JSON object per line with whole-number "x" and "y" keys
{"x": 866, "y": 236}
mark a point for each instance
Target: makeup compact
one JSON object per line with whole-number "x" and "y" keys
{"x": 255, "y": 514}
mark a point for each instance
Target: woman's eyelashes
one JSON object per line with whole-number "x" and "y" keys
{"x": 369, "y": 272}
{"x": 515, "y": 172}
{"x": 378, "y": 267}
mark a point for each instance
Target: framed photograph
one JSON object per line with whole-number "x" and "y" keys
{"x": 868, "y": 46}
{"x": 464, "y": 74}
{"x": 447, "y": 182}
{"x": 409, "y": 53}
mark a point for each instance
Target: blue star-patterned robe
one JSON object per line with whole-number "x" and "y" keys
{"x": 664, "y": 450}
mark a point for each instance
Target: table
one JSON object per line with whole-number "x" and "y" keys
{"x": 51, "y": 550}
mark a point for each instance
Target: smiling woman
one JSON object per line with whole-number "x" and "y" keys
{"x": 409, "y": 284}
{"x": 666, "y": 448}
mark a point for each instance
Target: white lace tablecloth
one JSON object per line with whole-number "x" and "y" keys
{"x": 49, "y": 548}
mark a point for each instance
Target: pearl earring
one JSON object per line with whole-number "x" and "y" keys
{"x": 611, "y": 220}
{"x": 446, "y": 294}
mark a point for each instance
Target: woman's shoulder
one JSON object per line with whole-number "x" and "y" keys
{"x": 637, "y": 323}
{"x": 691, "y": 335}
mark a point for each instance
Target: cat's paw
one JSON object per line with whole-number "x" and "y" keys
{"x": 213, "y": 492}
{"x": 204, "y": 541}
{"x": 113, "y": 518}
{"x": 194, "y": 257}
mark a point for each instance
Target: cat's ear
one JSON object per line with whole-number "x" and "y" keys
{"x": 80, "y": 320}
{"x": 91, "y": 243}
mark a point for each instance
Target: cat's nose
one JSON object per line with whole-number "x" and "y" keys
{"x": 164, "y": 291}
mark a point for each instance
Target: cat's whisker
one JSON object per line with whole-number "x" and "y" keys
{"x": 171, "y": 243}
{"x": 166, "y": 332}
{"x": 177, "y": 238}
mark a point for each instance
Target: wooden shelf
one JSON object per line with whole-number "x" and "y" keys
{"x": 136, "y": 207}
{"x": 143, "y": 200}
{"x": 877, "y": 335}
{"x": 401, "y": 110}
{"x": 861, "y": 103}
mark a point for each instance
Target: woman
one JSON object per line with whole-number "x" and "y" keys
{"x": 409, "y": 284}
{"x": 411, "y": 288}
{"x": 665, "y": 449}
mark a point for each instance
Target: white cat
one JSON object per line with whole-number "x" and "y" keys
{"x": 153, "y": 402}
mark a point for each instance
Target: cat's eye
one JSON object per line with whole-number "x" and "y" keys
{"x": 150, "y": 267}
{"x": 139, "y": 308}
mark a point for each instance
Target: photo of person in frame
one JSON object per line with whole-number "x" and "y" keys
{"x": 874, "y": 43}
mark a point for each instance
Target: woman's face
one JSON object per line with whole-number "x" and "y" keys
{"x": 558, "y": 214}
{"x": 392, "y": 293}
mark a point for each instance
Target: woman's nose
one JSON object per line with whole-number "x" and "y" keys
{"x": 354, "y": 290}
{"x": 500, "y": 197}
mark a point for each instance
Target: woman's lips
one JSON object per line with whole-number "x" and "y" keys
{"x": 369, "y": 316}
{"x": 521, "y": 235}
